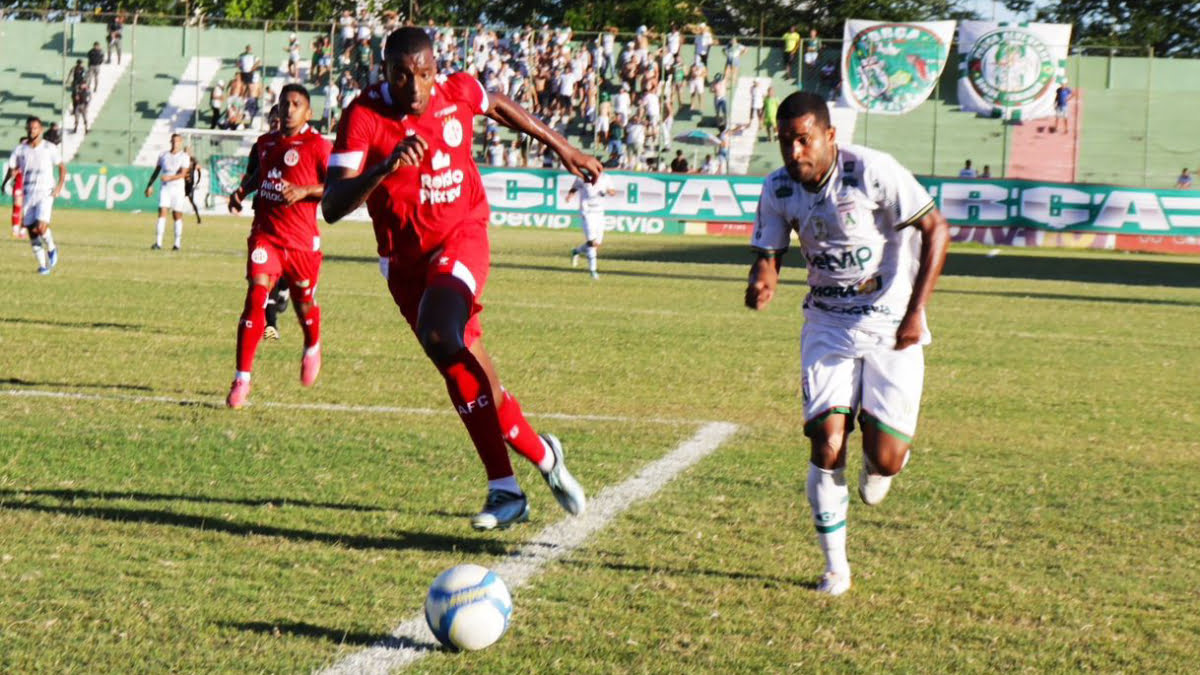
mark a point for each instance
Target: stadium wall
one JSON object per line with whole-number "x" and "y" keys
{"x": 995, "y": 212}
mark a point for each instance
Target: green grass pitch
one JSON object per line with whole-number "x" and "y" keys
{"x": 1047, "y": 521}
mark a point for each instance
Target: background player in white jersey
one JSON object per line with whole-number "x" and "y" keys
{"x": 36, "y": 159}
{"x": 173, "y": 166}
{"x": 591, "y": 209}
{"x": 874, "y": 245}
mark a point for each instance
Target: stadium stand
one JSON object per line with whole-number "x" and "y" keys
{"x": 1135, "y": 128}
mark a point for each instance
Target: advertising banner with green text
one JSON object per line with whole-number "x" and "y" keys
{"x": 651, "y": 203}
{"x": 659, "y": 203}
{"x": 104, "y": 187}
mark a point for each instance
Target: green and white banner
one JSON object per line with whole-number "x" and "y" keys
{"x": 1011, "y": 70}
{"x": 892, "y": 68}
{"x": 659, "y": 203}
{"x": 653, "y": 203}
{"x": 103, "y": 187}
{"x": 645, "y": 202}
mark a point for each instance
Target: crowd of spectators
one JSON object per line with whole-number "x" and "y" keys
{"x": 618, "y": 96}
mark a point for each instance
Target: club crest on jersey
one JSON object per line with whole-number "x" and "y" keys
{"x": 440, "y": 160}
{"x": 258, "y": 256}
{"x": 820, "y": 228}
{"x": 291, "y": 157}
{"x": 453, "y": 132}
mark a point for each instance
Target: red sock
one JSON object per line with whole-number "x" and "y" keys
{"x": 311, "y": 325}
{"x": 250, "y": 328}
{"x": 467, "y": 383}
{"x": 517, "y": 432}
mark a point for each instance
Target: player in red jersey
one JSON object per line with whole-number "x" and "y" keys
{"x": 284, "y": 240}
{"x": 404, "y": 147}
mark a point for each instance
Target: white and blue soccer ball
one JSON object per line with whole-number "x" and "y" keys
{"x": 468, "y": 607}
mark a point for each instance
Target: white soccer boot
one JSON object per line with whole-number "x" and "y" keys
{"x": 834, "y": 583}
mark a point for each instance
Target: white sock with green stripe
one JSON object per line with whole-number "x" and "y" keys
{"x": 830, "y": 500}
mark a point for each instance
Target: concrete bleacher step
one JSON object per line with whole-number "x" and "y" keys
{"x": 743, "y": 126}
{"x": 276, "y": 85}
{"x": 1037, "y": 154}
{"x": 180, "y": 107}
{"x": 110, "y": 74}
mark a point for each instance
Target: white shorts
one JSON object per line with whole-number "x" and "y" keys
{"x": 1060, "y": 113}
{"x": 695, "y": 86}
{"x": 37, "y": 211}
{"x": 172, "y": 198}
{"x": 593, "y": 227}
{"x": 850, "y": 371}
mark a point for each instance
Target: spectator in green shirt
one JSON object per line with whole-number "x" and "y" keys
{"x": 770, "y": 110}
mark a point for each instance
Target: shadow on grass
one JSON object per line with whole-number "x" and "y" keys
{"x": 273, "y": 502}
{"x": 18, "y": 382}
{"x": 333, "y": 635}
{"x": 132, "y": 327}
{"x": 765, "y": 579}
{"x": 424, "y": 541}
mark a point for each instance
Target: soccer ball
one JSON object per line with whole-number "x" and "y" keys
{"x": 468, "y": 607}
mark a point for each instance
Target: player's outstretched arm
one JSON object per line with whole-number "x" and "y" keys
{"x": 764, "y": 277}
{"x": 346, "y": 189}
{"x": 509, "y": 113}
{"x": 935, "y": 243}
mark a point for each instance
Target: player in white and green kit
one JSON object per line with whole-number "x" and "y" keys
{"x": 591, "y": 212}
{"x": 874, "y": 245}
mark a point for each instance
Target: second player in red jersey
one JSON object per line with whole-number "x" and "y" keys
{"x": 404, "y": 148}
{"x": 284, "y": 240}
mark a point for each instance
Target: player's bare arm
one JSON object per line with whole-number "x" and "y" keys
{"x": 507, "y": 112}
{"x": 7, "y": 175}
{"x": 346, "y": 189}
{"x": 764, "y": 277}
{"x": 62, "y": 180}
{"x": 935, "y": 242}
{"x": 249, "y": 181}
{"x": 150, "y": 183}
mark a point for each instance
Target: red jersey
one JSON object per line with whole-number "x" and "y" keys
{"x": 298, "y": 160}
{"x": 417, "y": 206}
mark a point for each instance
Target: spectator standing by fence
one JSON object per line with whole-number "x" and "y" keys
{"x": 812, "y": 48}
{"x": 115, "y": 26}
{"x": 791, "y": 47}
{"x": 216, "y": 103}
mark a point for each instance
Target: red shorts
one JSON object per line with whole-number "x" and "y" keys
{"x": 461, "y": 262}
{"x": 301, "y": 268}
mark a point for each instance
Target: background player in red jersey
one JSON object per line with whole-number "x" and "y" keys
{"x": 284, "y": 240}
{"x": 277, "y": 301}
{"x": 404, "y": 147}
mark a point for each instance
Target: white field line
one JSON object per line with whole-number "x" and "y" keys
{"x": 331, "y": 407}
{"x": 412, "y": 641}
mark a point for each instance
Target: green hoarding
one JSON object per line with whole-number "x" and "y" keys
{"x": 103, "y": 187}
{"x": 652, "y": 203}
{"x": 971, "y": 203}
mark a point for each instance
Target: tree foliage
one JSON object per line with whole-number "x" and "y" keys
{"x": 1171, "y": 27}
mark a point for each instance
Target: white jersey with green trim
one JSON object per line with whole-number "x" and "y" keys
{"x": 592, "y": 195}
{"x": 861, "y": 254}
{"x": 37, "y": 163}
